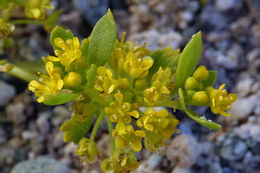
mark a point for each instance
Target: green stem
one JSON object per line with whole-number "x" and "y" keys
{"x": 110, "y": 129}
{"x": 26, "y": 21}
{"x": 175, "y": 104}
{"x": 97, "y": 124}
{"x": 132, "y": 83}
{"x": 22, "y": 74}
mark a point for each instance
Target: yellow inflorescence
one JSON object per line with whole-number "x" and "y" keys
{"x": 117, "y": 90}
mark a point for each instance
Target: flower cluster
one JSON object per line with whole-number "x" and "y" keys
{"x": 203, "y": 94}
{"x": 123, "y": 86}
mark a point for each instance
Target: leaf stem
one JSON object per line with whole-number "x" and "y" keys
{"x": 110, "y": 129}
{"x": 97, "y": 124}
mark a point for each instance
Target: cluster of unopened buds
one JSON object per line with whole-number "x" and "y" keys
{"x": 122, "y": 82}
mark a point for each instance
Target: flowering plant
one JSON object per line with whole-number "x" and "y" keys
{"x": 112, "y": 79}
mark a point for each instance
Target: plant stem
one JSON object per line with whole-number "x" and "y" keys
{"x": 26, "y": 21}
{"x": 110, "y": 129}
{"x": 22, "y": 74}
{"x": 97, "y": 124}
{"x": 175, "y": 104}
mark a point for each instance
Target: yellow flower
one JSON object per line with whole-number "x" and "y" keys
{"x": 163, "y": 78}
{"x": 105, "y": 82}
{"x": 126, "y": 135}
{"x": 87, "y": 149}
{"x": 220, "y": 100}
{"x": 120, "y": 111}
{"x": 36, "y": 8}
{"x": 48, "y": 84}
{"x": 5, "y": 29}
{"x": 160, "y": 122}
{"x": 69, "y": 51}
{"x": 122, "y": 161}
{"x": 137, "y": 67}
{"x": 153, "y": 94}
{"x": 120, "y": 52}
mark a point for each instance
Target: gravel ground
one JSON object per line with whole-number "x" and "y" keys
{"x": 231, "y": 38}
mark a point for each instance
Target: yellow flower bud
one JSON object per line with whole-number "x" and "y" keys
{"x": 201, "y": 73}
{"x": 200, "y": 98}
{"x": 191, "y": 83}
{"x": 140, "y": 84}
{"x": 73, "y": 79}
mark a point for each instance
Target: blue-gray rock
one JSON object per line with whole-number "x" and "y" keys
{"x": 233, "y": 149}
{"x": 6, "y": 94}
{"x": 154, "y": 160}
{"x": 40, "y": 165}
{"x": 92, "y": 10}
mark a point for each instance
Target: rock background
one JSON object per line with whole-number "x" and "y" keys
{"x": 231, "y": 45}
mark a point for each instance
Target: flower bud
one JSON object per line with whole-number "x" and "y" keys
{"x": 191, "y": 83}
{"x": 200, "y": 98}
{"x": 201, "y": 73}
{"x": 73, "y": 79}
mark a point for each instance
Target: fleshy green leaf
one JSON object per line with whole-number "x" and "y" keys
{"x": 58, "y": 99}
{"x": 211, "y": 79}
{"x": 91, "y": 75}
{"x": 167, "y": 57}
{"x": 62, "y": 33}
{"x": 196, "y": 117}
{"x": 74, "y": 129}
{"x": 102, "y": 40}
{"x": 189, "y": 59}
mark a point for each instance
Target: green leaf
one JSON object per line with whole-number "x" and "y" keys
{"x": 91, "y": 75}
{"x": 52, "y": 20}
{"x": 196, "y": 117}
{"x": 102, "y": 40}
{"x": 58, "y": 99}
{"x": 202, "y": 120}
{"x": 167, "y": 57}
{"x": 189, "y": 59}
{"x": 62, "y": 33}
{"x": 74, "y": 129}
{"x": 211, "y": 79}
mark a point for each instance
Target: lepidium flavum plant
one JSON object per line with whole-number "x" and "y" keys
{"x": 112, "y": 79}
